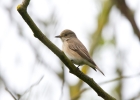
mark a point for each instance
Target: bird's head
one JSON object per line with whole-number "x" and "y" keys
{"x": 66, "y": 34}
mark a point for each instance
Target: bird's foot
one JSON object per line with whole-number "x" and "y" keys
{"x": 78, "y": 67}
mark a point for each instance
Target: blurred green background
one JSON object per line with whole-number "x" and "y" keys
{"x": 110, "y": 29}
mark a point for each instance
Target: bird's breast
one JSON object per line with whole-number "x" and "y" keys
{"x": 72, "y": 55}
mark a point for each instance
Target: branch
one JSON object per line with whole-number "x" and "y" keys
{"x": 128, "y": 14}
{"x": 19, "y": 95}
{"x": 112, "y": 80}
{"x": 22, "y": 9}
{"x": 6, "y": 88}
{"x": 10, "y": 93}
{"x": 33, "y": 85}
{"x": 119, "y": 78}
{"x": 63, "y": 81}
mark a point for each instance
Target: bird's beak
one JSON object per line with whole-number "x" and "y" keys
{"x": 58, "y": 36}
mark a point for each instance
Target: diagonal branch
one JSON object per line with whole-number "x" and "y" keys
{"x": 112, "y": 80}
{"x": 33, "y": 85}
{"x": 22, "y": 9}
{"x": 121, "y": 4}
{"x": 10, "y": 93}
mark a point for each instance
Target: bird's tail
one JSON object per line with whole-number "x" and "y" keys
{"x": 96, "y": 67}
{"x": 99, "y": 70}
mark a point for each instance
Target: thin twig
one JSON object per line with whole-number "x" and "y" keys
{"x": 63, "y": 81}
{"x": 10, "y": 93}
{"x": 18, "y": 95}
{"x": 33, "y": 85}
{"x": 119, "y": 78}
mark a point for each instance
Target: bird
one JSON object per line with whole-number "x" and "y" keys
{"x": 75, "y": 50}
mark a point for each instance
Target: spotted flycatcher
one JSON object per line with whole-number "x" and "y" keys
{"x": 75, "y": 50}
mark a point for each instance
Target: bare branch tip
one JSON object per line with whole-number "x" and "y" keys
{"x": 19, "y": 6}
{"x": 24, "y": 4}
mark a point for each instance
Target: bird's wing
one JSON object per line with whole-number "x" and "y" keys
{"x": 79, "y": 48}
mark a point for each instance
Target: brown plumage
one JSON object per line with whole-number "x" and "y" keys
{"x": 75, "y": 50}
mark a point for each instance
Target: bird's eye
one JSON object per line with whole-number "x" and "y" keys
{"x": 65, "y": 34}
